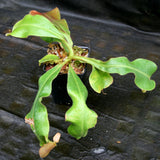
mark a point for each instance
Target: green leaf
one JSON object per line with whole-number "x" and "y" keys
{"x": 55, "y": 17}
{"x": 49, "y": 39}
{"x": 48, "y": 58}
{"x": 141, "y": 68}
{"x": 36, "y": 25}
{"x": 99, "y": 79}
{"x": 48, "y": 27}
{"x": 38, "y": 113}
{"x": 61, "y": 24}
{"x": 81, "y": 117}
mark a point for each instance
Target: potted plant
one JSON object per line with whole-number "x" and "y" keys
{"x": 65, "y": 58}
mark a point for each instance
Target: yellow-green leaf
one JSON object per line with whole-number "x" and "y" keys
{"x": 99, "y": 79}
{"x": 38, "y": 113}
{"x": 48, "y": 58}
{"x": 141, "y": 68}
{"x": 81, "y": 117}
{"x": 36, "y": 25}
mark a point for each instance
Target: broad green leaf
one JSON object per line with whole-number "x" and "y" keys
{"x": 81, "y": 117}
{"x": 46, "y": 27}
{"x": 99, "y": 79}
{"x": 48, "y": 58}
{"x": 141, "y": 68}
{"x": 38, "y": 113}
{"x": 35, "y": 26}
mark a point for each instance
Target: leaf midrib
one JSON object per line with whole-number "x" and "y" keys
{"x": 31, "y": 25}
{"x": 44, "y": 82}
{"x": 79, "y": 91}
{"x": 102, "y": 65}
{"x": 132, "y": 68}
{"x": 81, "y": 97}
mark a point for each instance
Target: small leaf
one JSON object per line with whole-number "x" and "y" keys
{"x": 81, "y": 117}
{"x": 48, "y": 58}
{"x": 99, "y": 80}
{"x": 38, "y": 113}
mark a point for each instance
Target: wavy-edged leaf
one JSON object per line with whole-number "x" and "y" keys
{"x": 38, "y": 113}
{"x": 99, "y": 79}
{"x": 35, "y": 26}
{"x": 81, "y": 117}
{"x": 48, "y": 58}
{"x": 141, "y": 68}
{"x": 48, "y": 27}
